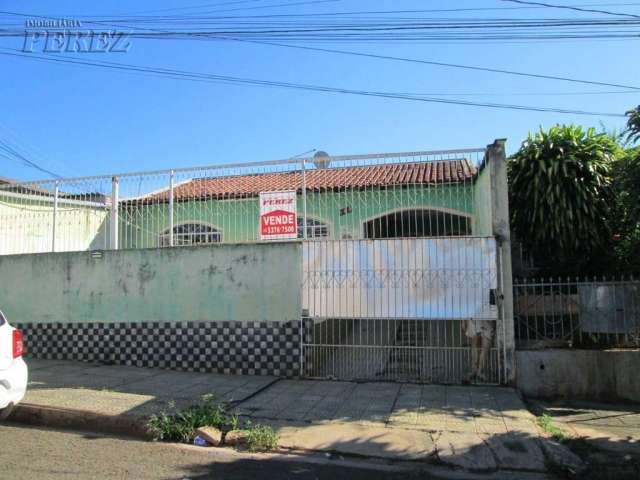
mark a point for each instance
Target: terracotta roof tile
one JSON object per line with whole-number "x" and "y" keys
{"x": 445, "y": 171}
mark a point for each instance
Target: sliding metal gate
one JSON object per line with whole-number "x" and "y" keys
{"x": 413, "y": 309}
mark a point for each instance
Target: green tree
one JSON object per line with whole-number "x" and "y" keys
{"x": 625, "y": 213}
{"x": 560, "y": 197}
{"x": 633, "y": 124}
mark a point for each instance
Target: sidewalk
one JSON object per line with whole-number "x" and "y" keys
{"x": 614, "y": 427}
{"x": 475, "y": 428}
{"x": 605, "y": 436}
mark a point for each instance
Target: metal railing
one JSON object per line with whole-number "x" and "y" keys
{"x": 339, "y": 197}
{"x": 577, "y": 313}
{"x": 415, "y": 309}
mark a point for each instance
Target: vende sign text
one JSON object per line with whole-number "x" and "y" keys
{"x": 278, "y": 219}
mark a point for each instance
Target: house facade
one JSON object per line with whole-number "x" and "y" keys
{"x": 396, "y": 273}
{"x": 401, "y": 200}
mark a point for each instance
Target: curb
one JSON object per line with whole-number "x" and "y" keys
{"x": 56, "y": 417}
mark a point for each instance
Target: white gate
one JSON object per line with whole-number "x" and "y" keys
{"x": 420, "y": 309}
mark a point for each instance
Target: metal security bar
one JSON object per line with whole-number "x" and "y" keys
{"x": 418, "y": 309}
{"x": 410, "y": 194}
{"x": 577, "y": 313}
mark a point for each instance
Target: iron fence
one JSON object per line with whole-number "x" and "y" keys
{"x": 577, "y": 313}
{"x": 412, "y": 309}
{"x": 410, "y": 194}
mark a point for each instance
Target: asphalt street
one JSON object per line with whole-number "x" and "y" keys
{"x": 43, "y": 454}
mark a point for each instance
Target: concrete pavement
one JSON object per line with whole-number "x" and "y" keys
{"x": 475, "y": 428}
{"x": 605, "y": 436}
{"x": 116, "y": 390}
{"x": 610, "y": 426}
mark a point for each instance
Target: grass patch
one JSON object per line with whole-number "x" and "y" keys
{"x": 260, "y": 438}
{"x": 546, "y": 423}
{"x": 181, "y": 426}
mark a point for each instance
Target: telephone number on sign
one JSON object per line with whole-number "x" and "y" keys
{"x": 279, "y": 230}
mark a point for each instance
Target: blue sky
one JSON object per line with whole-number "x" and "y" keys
{"x": 86, "y": 121}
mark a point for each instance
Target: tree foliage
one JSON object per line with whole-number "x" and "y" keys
{"x": 625, "y": 213}
{"x": 633, "y": 124}
{"x": 560, "y": 196}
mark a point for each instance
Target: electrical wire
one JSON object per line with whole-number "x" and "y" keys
{"x": 13, "y": 154}
{"x": 569, "y": 7}
{"x": 442, "y": 64}
{"x": 376, "y": 30}
{"x": 206, "y": 77}
{"x": 395, "y": 58}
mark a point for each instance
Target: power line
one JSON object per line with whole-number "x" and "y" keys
{"x": 419, "y": 30}
{"x": 290, "y": 4}
{"x": 302, "y": 153}
{"x": 568, "y": 7}
{"x": 29, "y": 149}
{"x": 349, "y": 13}
{"x": 191, "y": 7}
{"x": 441, "y": 64}
{"x": 16, "y": 155}
{"x": 205, "y": 77}
{"x": 376, "y": 56}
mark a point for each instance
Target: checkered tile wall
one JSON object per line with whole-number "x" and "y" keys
{"x": 250, "y": 348}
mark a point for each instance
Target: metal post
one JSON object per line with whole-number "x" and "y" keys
{"x": 497, "y": 163}
{"x": 55, "y": 215}
{"x": 304, "y": 236}
{"x": 113, "y": 224}
{"x": 171, "y": 175}
{"x": 304, "y": 198}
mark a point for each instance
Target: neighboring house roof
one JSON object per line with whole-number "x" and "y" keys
{"x": 18, "y": 188}
{"x": 10, "y": 185}
{"x": 436, "y": 172}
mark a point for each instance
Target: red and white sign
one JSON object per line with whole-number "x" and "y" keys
{"x": 278, "y": 219}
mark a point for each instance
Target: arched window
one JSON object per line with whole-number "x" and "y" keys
{"x": 417, "y": 223}
{"x": 315, "y": 228}
{"x": 191, "y": 234}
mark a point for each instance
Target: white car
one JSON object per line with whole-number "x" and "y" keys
{"x": 13, "y": 369}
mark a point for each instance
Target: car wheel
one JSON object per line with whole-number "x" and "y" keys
{"x": 5, "y": 412}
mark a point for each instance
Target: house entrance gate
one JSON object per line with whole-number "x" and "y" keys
{"x": 411, "y": 292}
{"x": 401, "y": 309}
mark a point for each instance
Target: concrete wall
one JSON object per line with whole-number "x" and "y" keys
{"x": 214, "y": 283}
{"x": 579, "y": 374}
{"x": 26, "y": 224}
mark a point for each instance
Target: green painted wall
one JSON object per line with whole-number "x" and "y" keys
{"x": 238, "y": 220}
{"x": 26, "y": 224}
{"x": 482, "y": 203}
{"x": 212, "y": 283}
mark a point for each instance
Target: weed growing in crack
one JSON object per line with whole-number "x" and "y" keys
{"x": 546, "y": 423}
{"x": 181, "y": 426}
